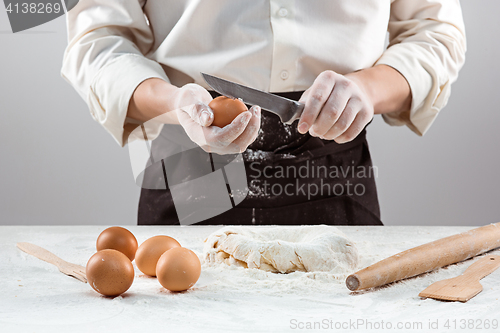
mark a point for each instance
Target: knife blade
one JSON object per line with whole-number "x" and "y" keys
{"x": 288, "y": 110}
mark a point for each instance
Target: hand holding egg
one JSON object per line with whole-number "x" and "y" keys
{"x": 222, "y": 127}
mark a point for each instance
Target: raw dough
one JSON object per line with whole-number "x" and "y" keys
{"x": 283, "y": 249}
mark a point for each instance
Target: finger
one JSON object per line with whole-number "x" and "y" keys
{"x": 332, "y": 110}
{"x": 192, "y": 128}
{"x": 200, "y": 113}
{"x": 229, "y": 133}
{"x": 184, "y": 116}
{"x": 251, "y": 131}
{"x": 304, "y": 96}
{"x": 345, "y": 120}
{"x": 316, "y": 97}
{"x": 359, "y": 123}
{"x": 205, "y": 115}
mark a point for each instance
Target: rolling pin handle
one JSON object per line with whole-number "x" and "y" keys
{"x": 352, "y": 282}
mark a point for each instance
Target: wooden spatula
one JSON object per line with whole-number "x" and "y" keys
{"x": 462, "y": 288}
{"x": 76, "y": 271}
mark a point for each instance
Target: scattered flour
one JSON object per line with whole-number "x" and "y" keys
{"x": 36, "y": 297}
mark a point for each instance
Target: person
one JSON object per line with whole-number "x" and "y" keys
{"x": 133, "y": 61}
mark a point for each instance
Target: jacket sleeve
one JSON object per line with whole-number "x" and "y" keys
{"x": 427, "y": 46}
{"x": 105, "y": 59}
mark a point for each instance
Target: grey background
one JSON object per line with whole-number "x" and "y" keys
{"x": 60, "y": 167}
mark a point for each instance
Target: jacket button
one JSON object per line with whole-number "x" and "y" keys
{"x": 283, "y": 12}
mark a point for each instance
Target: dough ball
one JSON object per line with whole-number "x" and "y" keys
{"x": 283, "y": 249}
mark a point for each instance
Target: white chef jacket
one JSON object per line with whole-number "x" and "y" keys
{"x": 272, "y": 45}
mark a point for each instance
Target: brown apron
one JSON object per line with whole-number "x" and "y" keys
{"x": 292, "y": 179}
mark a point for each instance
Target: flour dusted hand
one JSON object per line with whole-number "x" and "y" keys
{"x": 283, "y": 249}
{"x": 196, "y": 117}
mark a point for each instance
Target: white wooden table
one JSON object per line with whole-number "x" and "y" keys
{"x": 35, "y": 297}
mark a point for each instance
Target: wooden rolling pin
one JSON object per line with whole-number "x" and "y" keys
{"x": 427, "y": 257}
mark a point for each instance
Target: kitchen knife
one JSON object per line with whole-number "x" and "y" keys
{"x": 288, "y": 110}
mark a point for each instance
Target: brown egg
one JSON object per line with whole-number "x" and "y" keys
{"x": 151, "y": 250}
{"x": 225, "y": 110}
{"x": 110, "y": 272}
{"x": 178, "y": 269}
{"x": 118, "y": 238}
